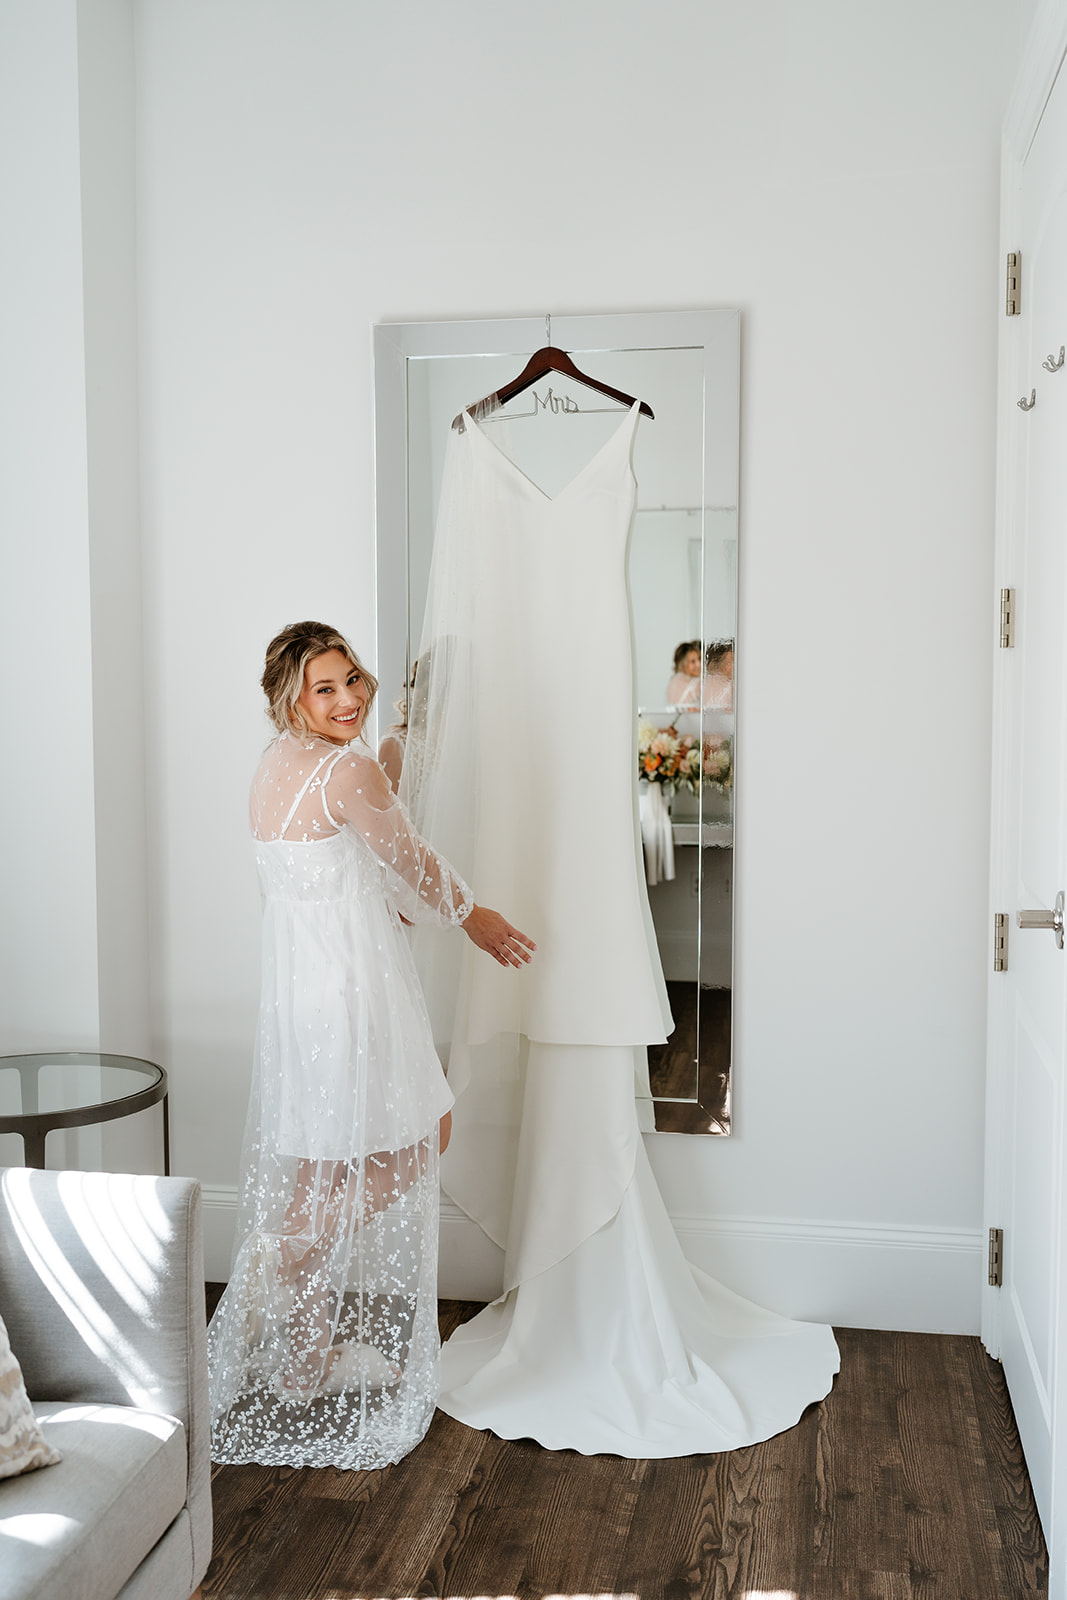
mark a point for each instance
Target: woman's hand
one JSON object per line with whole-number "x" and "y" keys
{"x": 494, "y": 934}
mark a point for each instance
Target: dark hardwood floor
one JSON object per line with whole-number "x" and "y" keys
{"x": 672, "y": 1067}
{"x": 908, "y": 1481}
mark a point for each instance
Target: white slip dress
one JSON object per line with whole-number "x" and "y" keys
{"x": 324, "y": 1350}
{"x": 604, "y": 1338}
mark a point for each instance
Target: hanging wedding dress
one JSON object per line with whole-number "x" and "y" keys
{"x": 324, "y": 1349}
{"x": 604, "y": 1339}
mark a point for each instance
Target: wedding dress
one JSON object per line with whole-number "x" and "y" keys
{"x": 604, "y": 1339}
{"x": 324, "y": 1349}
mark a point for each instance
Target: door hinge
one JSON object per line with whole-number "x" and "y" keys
{"x": 1000, "y": 941}
{"x": 1007, "y": 619}
{"x": 996, "y": 1258}
{"x": 1013, "y": 285}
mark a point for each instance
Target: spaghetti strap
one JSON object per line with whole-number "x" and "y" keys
{"x": 332, "y": 760}
{"x": 322, "y": 791}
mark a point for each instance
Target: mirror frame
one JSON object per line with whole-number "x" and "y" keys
{"x": 716, "y": 333}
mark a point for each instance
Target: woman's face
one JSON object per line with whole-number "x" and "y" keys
{"x": 726, "y": 665}
{"x": 691, "y": 663}
{"x": 334, "y": 697}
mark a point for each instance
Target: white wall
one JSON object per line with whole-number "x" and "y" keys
{"x": 48, "y": 973}
{"x": 73, "y": 934}
{"x": 831, "y": 169}
{"x": 106, "y": 108}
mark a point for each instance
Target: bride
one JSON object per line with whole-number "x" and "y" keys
{"x": 324, "y": 1347}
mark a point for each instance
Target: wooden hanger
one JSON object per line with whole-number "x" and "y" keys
{"x": 541, "y": 363}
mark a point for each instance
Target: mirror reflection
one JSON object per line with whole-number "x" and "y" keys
{"x": 683, "y": 588}
{"x": 683, "y": 578}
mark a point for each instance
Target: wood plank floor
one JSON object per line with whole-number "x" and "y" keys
{"x": 672, "y": 1066}
{"x": 908, "y": 1481}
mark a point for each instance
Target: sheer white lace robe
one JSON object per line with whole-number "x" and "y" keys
{"x": 324, "y": 1347}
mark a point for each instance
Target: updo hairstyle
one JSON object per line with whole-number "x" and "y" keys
{"x": 683, "y": 650}
{"x": 717, "y": 649}
{"x": 283, "y": 673}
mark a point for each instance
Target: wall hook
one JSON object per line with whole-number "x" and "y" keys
{"x": 1027, "y": 405}
{"x": 1050, "y": 363}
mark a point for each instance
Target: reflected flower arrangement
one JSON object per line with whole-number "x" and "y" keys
{"x": 676, "y": 760}
{"x": 719, "y": 763}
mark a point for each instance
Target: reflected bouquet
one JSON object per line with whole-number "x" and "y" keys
{"x": 674, "y": 760}
{"x": 719, "y": 763}
{"x": 666, "y": 757}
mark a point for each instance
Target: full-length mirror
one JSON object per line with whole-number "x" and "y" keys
{"x": 683, "y": 595}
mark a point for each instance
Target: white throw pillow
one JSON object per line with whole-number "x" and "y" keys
{"x": 22, "y": 1444}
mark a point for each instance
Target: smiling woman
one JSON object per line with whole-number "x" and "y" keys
{"x": 334, "y": 698}
{"x": 323, "y": 1350}
{"x": 316, "y": 684}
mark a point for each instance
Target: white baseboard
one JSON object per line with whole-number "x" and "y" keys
{"x": 854, "y": 1275}
{"x": 219, "y": 1202}
{"x": 912, "y": 1280}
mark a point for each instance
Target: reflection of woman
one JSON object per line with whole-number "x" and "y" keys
{"x": 324, "y": 1347}
{"x": 683, "y": 690}
{"x": 718, "y": 691}
{"x": 393, "y": 743}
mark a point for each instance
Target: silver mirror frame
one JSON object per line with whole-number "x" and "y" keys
{"x": 715, "y": 333}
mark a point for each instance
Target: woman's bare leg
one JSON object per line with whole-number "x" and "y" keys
{"x": 306, "y": 1240}
{"x": 308, "y": 1209}
{"x": 391, "y": 1173}
{"x": 321, "y": 1209}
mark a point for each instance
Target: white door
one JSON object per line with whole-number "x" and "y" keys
{"x": 1024, "y": 1321}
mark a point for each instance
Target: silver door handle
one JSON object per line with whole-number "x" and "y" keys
{"x": 1046, "y": 919}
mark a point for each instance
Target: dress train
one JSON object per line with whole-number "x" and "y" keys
{"x": 606, "y": 1340}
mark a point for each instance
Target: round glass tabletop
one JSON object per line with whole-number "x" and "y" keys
{"x": 73, "y": 1089}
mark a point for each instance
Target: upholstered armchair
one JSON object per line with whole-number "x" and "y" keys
{"x": 102, "y": 1293}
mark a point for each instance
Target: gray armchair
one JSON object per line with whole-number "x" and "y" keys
{"x": 102, "y": 1293}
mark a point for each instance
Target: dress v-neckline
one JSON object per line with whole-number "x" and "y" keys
{"x": 524, "y": 477}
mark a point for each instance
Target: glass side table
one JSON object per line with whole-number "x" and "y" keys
{"x": 76, "y": 1089}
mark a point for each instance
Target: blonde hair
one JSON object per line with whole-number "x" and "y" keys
{"x": 283, "y": 672}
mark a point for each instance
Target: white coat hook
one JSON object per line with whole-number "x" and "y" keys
{"x": 1050, "y": 363}
{"x": 1027, "y": 405}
